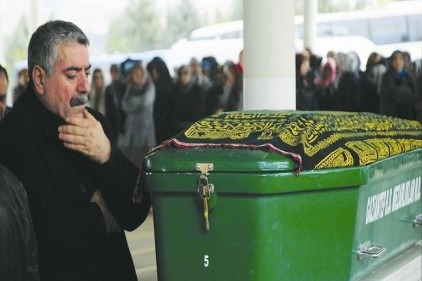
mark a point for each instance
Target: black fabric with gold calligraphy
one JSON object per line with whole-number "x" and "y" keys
{"x": 314, "y": 140}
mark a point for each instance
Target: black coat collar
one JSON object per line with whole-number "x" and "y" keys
{"x": 49, "y": 121}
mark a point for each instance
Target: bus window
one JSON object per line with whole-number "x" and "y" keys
{"x": 232, "y": 35}
{"x": 388, "y": 30}
{"x": 327, "y": 29}
{"x": 357, "y": 27}
{"x": 415, "y": 28}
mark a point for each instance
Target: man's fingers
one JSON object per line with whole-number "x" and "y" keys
{"x": 71, "y": 137}
{"x": 76, "y": 125}
{"x": 73, "y": 130}
{"x": 78, "y": 121}
{"x": 76, "y": 147}
{"x": 86, "y": 135}
{"x": 74, "y": 121}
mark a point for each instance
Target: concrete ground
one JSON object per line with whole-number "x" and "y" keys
{"x": 142, "y": 246}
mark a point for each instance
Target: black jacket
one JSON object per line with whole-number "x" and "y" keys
{"x": 398, "y": 94}
{"x": 18, "y": 246}
{"x": 72, "y": 239}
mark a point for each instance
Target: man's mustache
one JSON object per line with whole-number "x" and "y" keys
{"x": 79, "y": 100}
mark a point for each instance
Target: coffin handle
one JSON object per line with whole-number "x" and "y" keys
{"x": 367, "y": 249}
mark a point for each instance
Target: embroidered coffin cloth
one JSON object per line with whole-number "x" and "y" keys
{"x": 314, "y": 140}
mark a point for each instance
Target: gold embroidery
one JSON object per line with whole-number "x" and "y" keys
{"x": 338, "y": 158}
{"x": 338, "y": 134}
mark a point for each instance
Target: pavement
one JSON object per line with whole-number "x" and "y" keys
{"x": 142, "y": 247}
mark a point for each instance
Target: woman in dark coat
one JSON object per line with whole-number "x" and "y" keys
{"x": 398, "y": 89}
{"x": 306, "y": 98}
{"x": 371, "y": 83}
{"x": 347, "y": 84}
{"x": 187, "y": 102}
{"x": 163, "y": 82}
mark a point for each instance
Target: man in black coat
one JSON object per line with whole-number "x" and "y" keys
{"x": 18, "y": 246}
{"x": 80, "y": 186}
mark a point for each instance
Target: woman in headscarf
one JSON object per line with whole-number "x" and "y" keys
{"x": 398, "y": 89}
{"x": 347, "y": 83}
{"x": 163, "y": 82}
{"x": 138, "y": 105}
{"x": 325, "y": 85}
{"x": 187, "y": 102}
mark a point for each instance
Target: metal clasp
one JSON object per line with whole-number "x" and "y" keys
{"x": 368, "y": 250}
{"x": 417, "y": 221}
{"x": 205, "y": 189}
{"x": 204, "y": 168}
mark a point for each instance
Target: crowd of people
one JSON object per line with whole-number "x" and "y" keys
{"x": 390, "y": 86}
{"x": 145, "y": 105}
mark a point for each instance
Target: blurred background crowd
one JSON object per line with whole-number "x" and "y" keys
{"x": 147, "y": 103}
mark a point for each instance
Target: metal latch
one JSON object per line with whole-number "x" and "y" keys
{"x": 417, "y": 221}
{"x": 205, "y": 189}
{"x": 204, "y": 168}
{"x": 368, "y": 250}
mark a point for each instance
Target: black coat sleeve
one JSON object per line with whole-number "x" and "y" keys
{"x": 119, "y": 179}
{"x": 119, "y": 176}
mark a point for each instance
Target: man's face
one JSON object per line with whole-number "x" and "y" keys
{"x": 69, "y": 79}
{"x": 3, "y": 90}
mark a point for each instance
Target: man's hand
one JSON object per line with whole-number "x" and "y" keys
{"x": 86, "y": 136}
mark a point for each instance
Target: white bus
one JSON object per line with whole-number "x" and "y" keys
{"x": 223, "y": 41}
{"x": 395, "y": 25}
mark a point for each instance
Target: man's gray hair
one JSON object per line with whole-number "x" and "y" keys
{"x": 45, "y": 41}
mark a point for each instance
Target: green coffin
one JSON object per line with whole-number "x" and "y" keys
{"x": 238, "y": 209}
